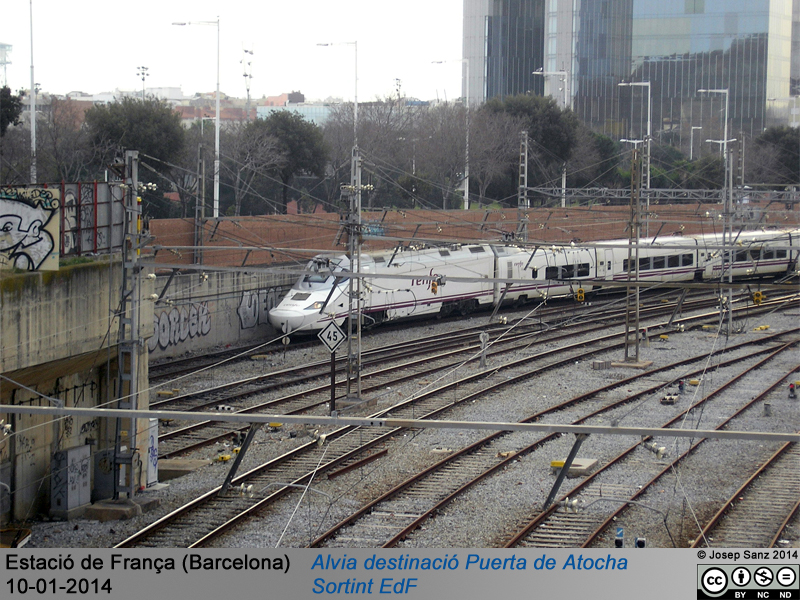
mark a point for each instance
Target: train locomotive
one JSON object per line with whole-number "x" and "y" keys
{"x": 460, "y": 278}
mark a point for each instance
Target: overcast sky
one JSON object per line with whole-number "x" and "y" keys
{"x": 97, "y": 46}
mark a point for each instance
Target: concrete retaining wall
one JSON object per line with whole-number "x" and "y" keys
{"x": 59, "y": 332}
{"x": 199, "y": 311}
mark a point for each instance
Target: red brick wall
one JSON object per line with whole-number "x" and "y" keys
{"x": 283, "y": 238}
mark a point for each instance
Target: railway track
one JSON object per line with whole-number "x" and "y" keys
{"x": 758, "y": 512}
{"x": 550, "y": 315}
{"x": 554, "y": 528}
{"x": 425, "y": 357}
{"x": 394, "y": 516}
{"x": 271, "y": 481}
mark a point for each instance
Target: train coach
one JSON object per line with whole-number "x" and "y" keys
{"x": 458, "y": 279}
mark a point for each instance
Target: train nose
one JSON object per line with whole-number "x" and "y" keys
{"x": 285, "y": 321}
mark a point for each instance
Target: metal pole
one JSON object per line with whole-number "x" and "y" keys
{"x": 579, "y": 438}
{"x": 691, "y": 141}
{"x": 355, "y": 97}
{"x": 216, "y": 138}
{"x": 333, "y": 382}
{"x": 649, "y": 140}
{"x": 33, "y": 109}
{"x": 726, "y": 91}
{"x": 466, "y": 161}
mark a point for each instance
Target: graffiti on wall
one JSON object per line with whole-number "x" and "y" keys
{"x": 178, "y": 324}
{"x": 255, "y": 305}
{"x": 29, "y": 225}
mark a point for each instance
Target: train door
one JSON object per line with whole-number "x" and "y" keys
{"x": 608, "y": 264}
{"x": 400, "y": 303}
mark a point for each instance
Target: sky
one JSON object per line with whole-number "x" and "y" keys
{"x": 98, "y": 46}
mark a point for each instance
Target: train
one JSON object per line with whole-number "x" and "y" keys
{"x": 460, "y": 278}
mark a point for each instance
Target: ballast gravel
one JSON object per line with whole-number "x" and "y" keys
{"x": 482, "y": 516}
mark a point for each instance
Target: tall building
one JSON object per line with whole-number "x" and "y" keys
{"x": 585, "y": 48}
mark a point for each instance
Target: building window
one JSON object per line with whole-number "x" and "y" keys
{"x": 695, "y": 7}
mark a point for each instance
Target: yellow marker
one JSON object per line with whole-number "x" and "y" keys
{"x": 223, "y": 458}
{"x": 664, "y": 337}
{"x": 694, "y": 382}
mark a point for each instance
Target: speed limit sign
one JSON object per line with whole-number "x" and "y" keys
{"x": 332, "y": 336}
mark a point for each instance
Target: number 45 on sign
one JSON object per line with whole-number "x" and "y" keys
{"x": 332, "y": 336}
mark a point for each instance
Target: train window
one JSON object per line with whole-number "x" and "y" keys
{"x": 755, "y": 253}
{"x": 551, "y": 273}
{"x": 741, "y": 255}
{"x": 658, "y": 262}
{"x": 644, "y": 264}
{"x": 300, "y": 297}
{"x": 625, "y": 265}
{"x": 767, "y": 253}
{"x": 583, "y": 270}
{"x": 687, "y": 260}
{"x": 674, "y": 261}
{"x": 476, "y": 249}
{"x": 534, "y": 273}
{"x": 380, "y": 259}
{"x": 444, "y": 252}
{"x": 510, "y": 270}
{"x": 780, "y": 253}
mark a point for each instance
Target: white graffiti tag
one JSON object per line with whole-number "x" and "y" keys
{"x": 24, "y": 241}
{"x": 255, "y": 306}
{"x": 175, "y": 326}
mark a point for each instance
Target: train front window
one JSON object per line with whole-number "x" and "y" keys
{"x": 320, "y": 274}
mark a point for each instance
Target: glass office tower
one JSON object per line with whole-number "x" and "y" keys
{"x": 679, "y": 46}
{"x": 503, "y": 43}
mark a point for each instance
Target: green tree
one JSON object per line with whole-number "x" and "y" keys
{"x": 66, "y": 151}
{"x": 248, "y": 150}
{"x": 552, "y": 130}
{"x": 10, "y": 109}
{"x": 777, "y": 148}
{"x": 301, "y": 144}
{"x": 149, "y": 126}
{"x": 706, "y": 173}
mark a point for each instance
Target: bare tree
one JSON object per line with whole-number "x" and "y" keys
{"x": 15, "y": 155}
{"x": 67, "y": 151}
{"x": 494, "y": 149}
{"x": 441, "y": 148}
{"x": 338, "y": 136}
{"x": 249, "y": 151}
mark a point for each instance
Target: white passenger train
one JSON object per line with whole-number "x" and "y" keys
{"x": 416, "y": 282}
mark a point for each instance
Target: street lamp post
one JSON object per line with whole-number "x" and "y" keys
{"x": 691, "y": 141}
{"x": 726, "y": 92}
{"x": 142, "y": 72}
{"x": 216, "y": 133}
{"x": 354, "y": 245}
{"x": 465, "y": 61}
{"x": 33, "y": 109}
{"x": 727, "y": 224}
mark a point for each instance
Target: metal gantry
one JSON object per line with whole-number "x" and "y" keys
{"x": 582, "y": 196}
